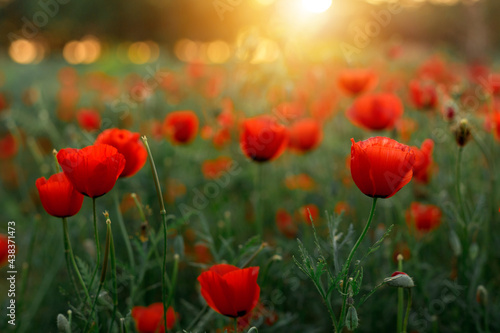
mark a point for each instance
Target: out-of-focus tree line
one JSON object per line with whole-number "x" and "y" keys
{"x": 474, "y": 29}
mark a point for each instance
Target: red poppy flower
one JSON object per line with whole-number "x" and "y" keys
{"x": 285, "y": 224}
{"x": 180, "y": 127}
{"x": 357, "y": 80}
{"x": 305, "y": 135}
{"x": 423, "y": 162}
{"x": 150, "y": 319}
{"x": 263, "y": 139}
{"x": 423, "y": 218}
{"x": 229, "y": 290}
{"x": 129, "y": 145}
{"x": 8, "y": 146}
{"x": 4, "y": 249}
{"x": 380, "y": 166}
{"x": 58, "y": 196}
{"x": 309, "y": 212}
{"x": 89, "y": 119}
{"x": 375, "y": 111}
{"x": 423, "y": 94}
{"x": 93, "y": 170}
{"x": 213, "y": 169}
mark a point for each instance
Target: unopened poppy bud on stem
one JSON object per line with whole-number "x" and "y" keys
{"x": 482, "y": 295}
{"x": 399, "y": 280}
{"x": 462, "y": 133}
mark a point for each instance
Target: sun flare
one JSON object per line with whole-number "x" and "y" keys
{"x": 316, "y": 6}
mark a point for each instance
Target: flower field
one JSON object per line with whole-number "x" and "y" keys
{"x": 298, "y": 194}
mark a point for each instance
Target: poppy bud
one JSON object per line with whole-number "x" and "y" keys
{"x": 351, "y": 320}
{"x": 462, "y": 133}
{"x": 62, "y": 324}
{"x": 482, "y": 295}
{"x": 399, "y": 280}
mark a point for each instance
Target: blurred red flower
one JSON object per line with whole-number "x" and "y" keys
{"x": 58, "y": 196}
{"x": 380, "y": 166}
{"x": 229, "y": 290}
{"x": 8, "y": 147}
{"x": 492, "y": 124}
{"x": 180, "y": 127}
{"x": 305, "y": 135}
{"x": 202, "y": 253}
{"x": 355, "y": 81}
{"x": 422, "y": 168}
{"x": 423, "y": 94}
{"x": 263, "y": 138}
{"x": 93, "y": 170}
{"x": 88, "y": 119}
{"x": 289, "y": 111}
{"x": 129, "y": 145}
{"x": 150, "y": 319}
{"x": 4, "y": 249}
{"x": 423, "y": 218}
{"x": 375, "y": 111}
{"x": 300, "y": 182}
{"x": 213, "y": 169}
{"x": 285, "y": 224}
{"x": 308, "y": 212}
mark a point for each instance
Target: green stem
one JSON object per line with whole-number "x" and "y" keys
{"x": 70, "y": 257}
{"x": 457, "y": 183}
{"x": 97, "y": 245}
{"x": 236, "y": 325}
{"x": 174, "y": 280}
{"x": 114, "y": 279}
{"x": 407, "y": 315}
{"x": 367, "y": 226}
{"x": 103, "y": 272}
{"x": 163, "y": 213}
{"x": 400, "y": 298}
{"x": 123, "y": 230}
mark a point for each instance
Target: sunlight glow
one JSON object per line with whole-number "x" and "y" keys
{"x": 316, "y": 6}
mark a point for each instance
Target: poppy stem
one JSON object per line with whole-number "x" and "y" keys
{"x": 174, "y": 280}
{"x": 400, "y": 297}
{"x": 408, "y": 307}
{"x": 113, "y": 277}
{"x": 58, "y": 167}
{"x": 123, "y": 230}
{"x": 163, "y": 214}
{"x": 367, "y": 226}
{"x": 236, "y": 325}
{"x": 97, "y": 245}
{"x": 71, "y": 258}
{"x": 103, "y": 272}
